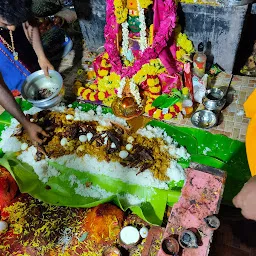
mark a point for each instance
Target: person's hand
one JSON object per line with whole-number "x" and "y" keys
{"x": 34, "y": 131}
{"x": 45, "y": 65}
{"x": 245, "y": 199}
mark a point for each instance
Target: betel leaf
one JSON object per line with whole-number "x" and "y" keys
{"x": 170, "y": 102}
{"x": 176, "y": 92}
{"x": 160, "y": 100}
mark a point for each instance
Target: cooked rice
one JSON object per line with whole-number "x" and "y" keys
{"x": 96, "y": 160}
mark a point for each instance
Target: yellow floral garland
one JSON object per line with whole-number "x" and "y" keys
{"x": 121, "y": 11}
{"x": 185, "y": 46}
{"x": 145, "y": 3}
{"x": 154, "y": 67}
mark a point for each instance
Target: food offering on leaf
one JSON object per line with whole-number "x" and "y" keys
{"x": 98, "y": 143}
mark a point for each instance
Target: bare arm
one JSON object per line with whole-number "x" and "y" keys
{"x": 32, "y": 34}
{"x": 8, "y": 102}
{"x": 246, "y": 199}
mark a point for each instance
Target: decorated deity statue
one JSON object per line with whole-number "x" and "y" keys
{"x": 136, "y": 32}
{"x": 144, "y": 53}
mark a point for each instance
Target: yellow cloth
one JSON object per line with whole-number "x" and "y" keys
{"x": 250, "y": 142}
{"x": 250, "y": 105}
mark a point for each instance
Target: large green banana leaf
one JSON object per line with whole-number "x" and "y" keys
{"x": 214, "y": 150}
{"x": 57, "y": 190}
{"x": 222, "y": 153}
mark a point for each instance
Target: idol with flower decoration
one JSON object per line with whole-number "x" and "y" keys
{"x": 145, "y": 53}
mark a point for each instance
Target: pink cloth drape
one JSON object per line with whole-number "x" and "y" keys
{"x": 167, "y": 55}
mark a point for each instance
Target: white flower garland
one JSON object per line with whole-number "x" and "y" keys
{"x": 121, "y": 87}
{"x": 125, "y": 41}
{"x": 143, "y": 34}
{"x": 135, "y": 92}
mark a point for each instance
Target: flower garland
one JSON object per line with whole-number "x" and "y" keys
{"x": 135, "y": 92}
{"x": 125, "y": 42}
{"x": 121, "y": 88}
{"x": 184, "y": 46}
{"x": 160, "y": 39}
{"x": 145, "y": 3}
{"x": 143, "y": 33}
{"x": 153, "y": 68}
{"x": 121, "y": 12}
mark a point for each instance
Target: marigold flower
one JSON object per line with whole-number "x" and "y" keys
{"x": 92, "y": 96}
{"x": 103, "y": 72}
{"x": 157, "y": 113}
{"x": 86, "y": 92}
{"x": 80, "y": 89}
{"x": 167, "y": 116}
{"x": 101, "y": 96}
{"x": 93, "y": 86}
{"x": 148, "y": 107}
{"x": 155, "y": 89}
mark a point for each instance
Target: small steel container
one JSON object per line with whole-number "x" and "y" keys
{"x": 204, "y": 119}
{"x": 214, "y": 99}
{"x": 36, "y": 82}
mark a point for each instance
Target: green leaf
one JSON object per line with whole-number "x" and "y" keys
{"x": 210, "y": 149}
{"x": 207, "y": 160}
{"x": 160, "y": 100}
{"x": 176, "y": 92}
{"x": 170, "y": 102}
{"x": 58, "y": 190}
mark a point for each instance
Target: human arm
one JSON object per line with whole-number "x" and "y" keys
{"x": 245, "y": 199}
{"x": 32, "y": 33}
{"x": 8, "y": 102}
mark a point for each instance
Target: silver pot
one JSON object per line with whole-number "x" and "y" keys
{"x": 43, "y": 92}
{"x": 214, "y": 99}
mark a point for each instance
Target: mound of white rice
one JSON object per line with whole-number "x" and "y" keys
{"x": 90, "y": 164}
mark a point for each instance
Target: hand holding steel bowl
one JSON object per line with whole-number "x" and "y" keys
{"x": 43, "y": 92}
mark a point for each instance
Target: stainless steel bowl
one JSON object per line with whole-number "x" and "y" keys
{"x": 204, "y": 119}
{"x": 36, "y": 82}
{"x": 214, "y": 99}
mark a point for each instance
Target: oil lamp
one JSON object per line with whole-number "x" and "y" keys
{"x": 127, "y": 107}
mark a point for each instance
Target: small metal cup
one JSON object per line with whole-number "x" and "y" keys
{"x": 214, "y": 99}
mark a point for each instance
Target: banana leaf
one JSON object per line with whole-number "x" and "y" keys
{"x": 217, "y": 151}
{"x": 57, "y": 191}
{"x": 214, "y": 150}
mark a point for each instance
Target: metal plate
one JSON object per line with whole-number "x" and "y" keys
{"x": 204, "y": 119}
